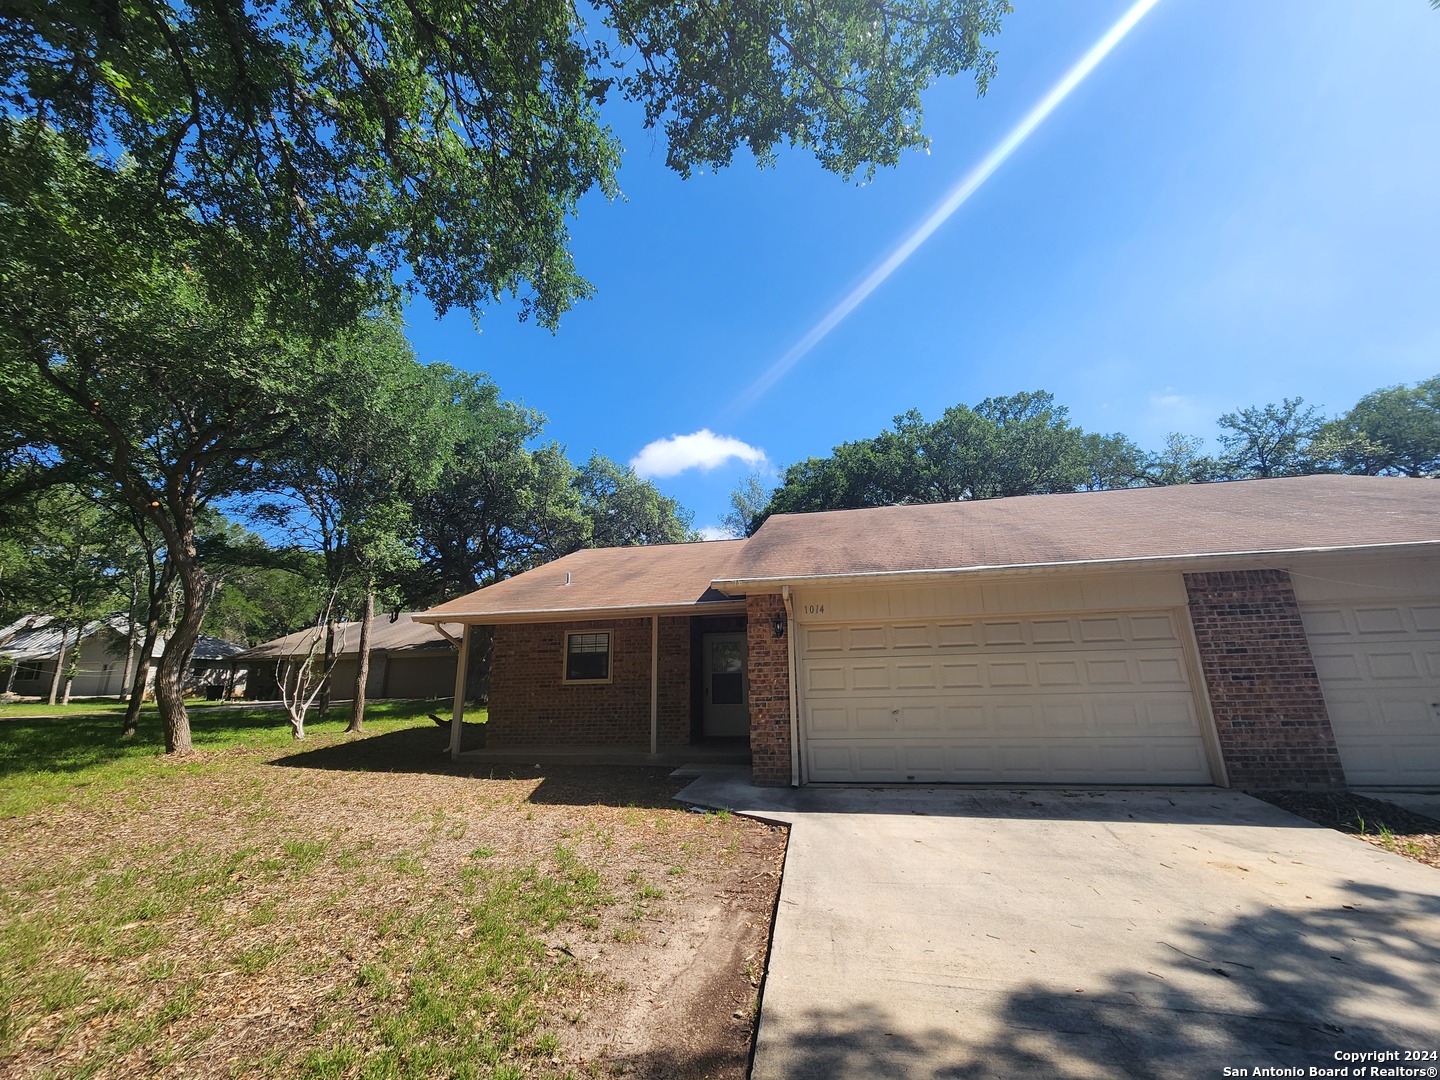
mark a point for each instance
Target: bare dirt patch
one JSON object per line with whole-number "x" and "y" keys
{"x": 366, "y": 907}
{"x": 1383, "y": 824}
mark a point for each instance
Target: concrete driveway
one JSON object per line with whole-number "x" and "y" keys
{"x": 983, "y": 933}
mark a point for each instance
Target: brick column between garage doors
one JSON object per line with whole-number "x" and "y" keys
{"x": 769, "y": 663}
{"x": 1265, "y": 695}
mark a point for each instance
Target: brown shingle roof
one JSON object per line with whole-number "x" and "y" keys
{"x": 1291, "y": 514}
{"x": 402, "y": 635}
{"x": 642, "y": 579}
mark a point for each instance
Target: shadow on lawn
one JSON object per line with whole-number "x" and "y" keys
{"x": 426, "y": 750}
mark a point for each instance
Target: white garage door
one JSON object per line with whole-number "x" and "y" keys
{"x": 1379, "y": 668}
{"x": 1078, "y": 699}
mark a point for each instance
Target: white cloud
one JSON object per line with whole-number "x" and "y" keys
{"x": 703, "y": 450}
{"x": 1166, "y": 399}
{"x": 714, "y": 532}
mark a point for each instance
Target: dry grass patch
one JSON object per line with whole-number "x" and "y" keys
{"x": 362, "y": 909}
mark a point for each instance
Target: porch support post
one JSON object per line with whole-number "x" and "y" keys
{"x": 457, "y": 714}
{"x": 654, "y": 684}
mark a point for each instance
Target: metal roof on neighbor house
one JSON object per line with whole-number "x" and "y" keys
{"x": 401, "y": 635}
{"x": 615, "y": 581}
{"x": 37, "y": 637}
{"x": 1194, "y": 520}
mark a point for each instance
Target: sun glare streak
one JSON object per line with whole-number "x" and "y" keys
{"x": 952, "y": 202}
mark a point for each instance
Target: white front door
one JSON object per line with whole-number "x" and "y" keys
{"x": 726, "y": 688}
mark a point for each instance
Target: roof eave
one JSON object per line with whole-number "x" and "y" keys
{"x": 488, "y": 618}
{"x": 1146, "y": 562}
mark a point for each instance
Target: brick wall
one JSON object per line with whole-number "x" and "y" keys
{"x": 531, "y": 704}
{"x": 1269, "y": 712}
{"x": 769, "y": 692}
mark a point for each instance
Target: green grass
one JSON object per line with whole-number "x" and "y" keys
{"x": 77, "y": 749}
{"x": 119, "y": 945}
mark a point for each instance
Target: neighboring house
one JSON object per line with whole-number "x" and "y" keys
{"x": 101, "y": 663}
{"x": 215, "y": 671}
{"x": 407, "y": 659}
{"x": 1263, "y": 633}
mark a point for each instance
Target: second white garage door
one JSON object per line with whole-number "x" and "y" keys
{"x": 1080, "y": 699}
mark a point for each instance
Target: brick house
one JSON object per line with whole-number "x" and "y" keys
{"x": 1264, "y": 633}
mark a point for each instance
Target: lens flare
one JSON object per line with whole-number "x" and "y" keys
{"x": 952, "y": 202}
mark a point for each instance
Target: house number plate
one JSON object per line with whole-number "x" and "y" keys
{"x": 814, "y": 609}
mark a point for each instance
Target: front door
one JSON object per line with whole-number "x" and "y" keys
{"x": 726, "y": 690}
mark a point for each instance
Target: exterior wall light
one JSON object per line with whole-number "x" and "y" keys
{"x": 778, "y": 625}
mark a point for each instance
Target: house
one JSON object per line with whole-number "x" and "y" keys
{"x": 1262, "y": 633}
{"x": 407, "y": 659}
{"x": 102, "y": 662}
{"x": 215, "y": 671}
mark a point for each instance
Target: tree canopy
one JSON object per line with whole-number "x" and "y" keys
{"x": 454, "y": 141}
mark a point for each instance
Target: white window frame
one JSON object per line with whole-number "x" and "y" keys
{"x": 609, "y": 658}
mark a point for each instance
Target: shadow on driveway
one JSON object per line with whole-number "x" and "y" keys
{"x": 1272, "y": 989}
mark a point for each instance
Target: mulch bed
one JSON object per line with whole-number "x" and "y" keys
{"x": 1385, "y": 825}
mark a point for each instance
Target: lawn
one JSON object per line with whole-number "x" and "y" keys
{"x": 358, "y": 906}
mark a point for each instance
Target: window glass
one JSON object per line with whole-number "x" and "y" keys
{"x": 587, "y": 657}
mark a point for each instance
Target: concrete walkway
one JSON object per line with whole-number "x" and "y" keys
{"x": 986, "y": 933}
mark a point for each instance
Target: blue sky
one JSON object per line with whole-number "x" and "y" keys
{"x": 1240, "y": 203}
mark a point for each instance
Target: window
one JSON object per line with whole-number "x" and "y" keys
{"x": 587, "y": 657}
{"x": 28, "y": 671}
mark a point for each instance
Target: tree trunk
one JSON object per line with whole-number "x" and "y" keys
{"x": 59, "y": 665}
{"x": 477, "y": 673}
{"x": 328, "y": 667}
{"x": 357, "y": 707}
{"x": 170, "y": 684}
{"x": 141, "y": 679}
{"x": 132, "y": 635}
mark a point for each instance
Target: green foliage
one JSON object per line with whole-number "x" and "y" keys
{"x": 1394, "y": 430}
{"x": 457, "y": 141}
{"x": 1018, "y": 445}
{"x": 747, "y": 507}
{"x": 1270, "y": 441}
{"x": 1181, "y": 462}
{"x": 621, "y": 509}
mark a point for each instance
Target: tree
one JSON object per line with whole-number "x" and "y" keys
{"x": 1017, "y": 445}
{"x": 498, "y": 507}
{"x": 1392, "y": 430}
{"x": 1181, "y": 462}
{"x": 359, "y": 462}
{"x": 747, "y": 507}
{"x": 1270, "y": 441}
{"x": 73, "y": 560}
{"x": 622, "y": 510}
{"x": 144, "y": 347}
{"x": 1111, "y": 461}
{"x": 456, "y": 140}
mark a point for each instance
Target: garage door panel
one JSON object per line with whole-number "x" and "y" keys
{"x": 1098, "y": 630}
{"x": 1070, "y": 699}
{"x": 1053, "y": 632}
{"x": 914, "y": 637}
{"x": 960, "y": 677}
{"x": 1160, "y": 672}
{"x": 827, "y": 640}
{"x": 1070, "y": 761}
{"x": 1392, "y": 664}
{"x": 863, "y": 638}
{"x": 1002, "y": 633}
{"x": 915, "y": 677}
{"x": 820, "y": 677}
{"x": 1152, "y": 628}
{"x": 1379, "y": 669}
